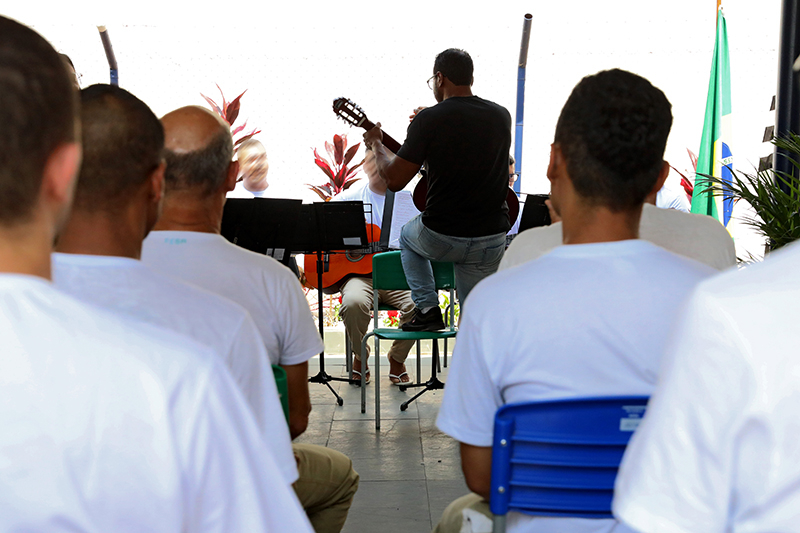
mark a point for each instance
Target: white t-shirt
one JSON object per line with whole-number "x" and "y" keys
{"x": 673, "y": 196}
{"x": 718, "y": 450}
{"x": 120, "y": 426}
{"x": 362, "y": 192}
{"x": 241, "y": 192}
{"x": 128, "y": 287}
{"x": 697, "y": 237}
{"x": 584, "y": 320}
{"x": 269, "y": 291}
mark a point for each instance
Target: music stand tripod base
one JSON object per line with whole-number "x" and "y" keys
{"x": 432, "y": 384}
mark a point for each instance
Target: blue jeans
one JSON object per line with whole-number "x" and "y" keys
{"x": 474, "y": 257}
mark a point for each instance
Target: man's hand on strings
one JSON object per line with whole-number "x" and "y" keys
{"x": 372, "y": 136}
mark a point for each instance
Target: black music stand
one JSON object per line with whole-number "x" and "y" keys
{"x": 324, "y": 228}
{"x": 262, "y": 225}
{"x": 535, "y": 214}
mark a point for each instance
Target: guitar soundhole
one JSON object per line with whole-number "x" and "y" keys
{"x": 354, "y": 256}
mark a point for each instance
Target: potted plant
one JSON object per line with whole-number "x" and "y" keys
{"x": 777, "y": 212}
{"x": 229, "y": 112}
{"x": 340, "y": 175}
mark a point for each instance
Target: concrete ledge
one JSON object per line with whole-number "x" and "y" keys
{"x": 334, "y": 344}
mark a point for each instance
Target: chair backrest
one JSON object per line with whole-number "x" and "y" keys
{"x": 388, "y": 274}
{"x": 560, "y": 458}
{"x": 282, "y": 383}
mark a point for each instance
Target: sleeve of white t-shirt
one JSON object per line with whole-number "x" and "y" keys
{"x": 676, "y": 475}
{"x": 297, "y": 333}
{"x": 471, "y": 398}
{"x": 230, "y": 481}
{"x": 252, "y": 370}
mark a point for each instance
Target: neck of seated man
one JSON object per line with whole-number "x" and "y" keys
{"x": 585, "y": 223}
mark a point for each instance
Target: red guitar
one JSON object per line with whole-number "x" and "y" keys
{"x": 355, "y": 116}
{"x": 341, "y": 265}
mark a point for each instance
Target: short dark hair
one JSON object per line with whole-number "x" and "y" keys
{"x": 204, "y": 169}
{"x": 455, "y": 65}
{"x": 123, "y": 142}
{"x": 612, "y": 132}
{"x": 38, "y": 112}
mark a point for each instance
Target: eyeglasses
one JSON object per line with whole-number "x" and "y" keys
{"x": 512, "y": 176}
{"x": 430, "y": 80}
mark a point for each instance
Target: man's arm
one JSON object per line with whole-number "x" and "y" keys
{"x": 395, "y": 171}
{"x": 299, "y": 400}
{"x": 476, "y": 463}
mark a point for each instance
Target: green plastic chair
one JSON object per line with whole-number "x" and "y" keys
{"x": 283, "y": 389}
{"x": 387, "y": 274}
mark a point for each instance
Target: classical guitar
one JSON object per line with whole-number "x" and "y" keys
{"x": 341, "y": 265}
{"x": 351, "y": 113}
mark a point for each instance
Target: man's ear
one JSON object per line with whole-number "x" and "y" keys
{"x": 60, "y": 174}
{"x": 156, "y": 192}
{"x": 230, "y": 179}
{"x": 555, "y": 164}
{"x": 662, "y": 178}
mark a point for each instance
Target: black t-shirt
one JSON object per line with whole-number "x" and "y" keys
{"x": 465, "y": 143}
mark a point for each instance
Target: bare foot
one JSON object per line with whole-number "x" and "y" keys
{"x": 397, "y": 372}
{"x": 356, "y": 373}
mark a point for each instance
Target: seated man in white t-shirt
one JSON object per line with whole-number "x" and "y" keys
{"x": 697, "y": 237}
{"x": 186, "y": 243}
{"x": 589, "y": 318}
{"x": 253, "y": 168}
{"x": 117, "y": 201}
{"x": 357, "y": 290}
{"x": 107, "y": 424}
{"x": 717, "y": 451}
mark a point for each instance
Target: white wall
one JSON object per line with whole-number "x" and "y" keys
{"x": 294, "y": 58}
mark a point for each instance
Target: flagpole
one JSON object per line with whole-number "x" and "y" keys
{"x": 787, "y": 109}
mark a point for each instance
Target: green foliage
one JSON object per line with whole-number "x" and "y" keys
{"x": 444, "y": 305}
{"x": 777, "y": 212}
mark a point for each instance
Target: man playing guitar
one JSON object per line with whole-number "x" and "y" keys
{"x": 464, "y": 141}
{"x": 357, "y": 290}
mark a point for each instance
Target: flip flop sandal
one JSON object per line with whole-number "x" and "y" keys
{"x": 358, "y": 377}
{"x": 399, "y": 379}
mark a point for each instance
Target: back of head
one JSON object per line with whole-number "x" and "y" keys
{"x": 455, "y": 65}
{"x": 38, "y": 106}
{"x": 612, "y": 132}
{"x": 198, "y": 150}
{"x": 122, "y": 145}
{"x": 251, "y": 146}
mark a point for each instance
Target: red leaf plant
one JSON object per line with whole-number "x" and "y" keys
{"x": 686, "y": 183}
{"x": 229, "y": 112}
{"x": 340, "y": 175}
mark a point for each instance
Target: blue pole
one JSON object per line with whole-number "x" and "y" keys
{"x": 787, "y": 110}
{"x": 112, "y": 60}
{"x": 523, "y": 62}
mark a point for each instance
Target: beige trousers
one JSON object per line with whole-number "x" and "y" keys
{"x": 356, "y": 308}
{"x": 452, "y": 519}
{"x": 326, "y": 486}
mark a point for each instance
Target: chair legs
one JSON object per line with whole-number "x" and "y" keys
{"x": 432, "y": 384}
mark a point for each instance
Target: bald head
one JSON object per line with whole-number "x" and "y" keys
{"x": 198, "y": 150}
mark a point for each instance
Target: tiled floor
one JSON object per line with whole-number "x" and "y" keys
{"x": 409, "y": 470}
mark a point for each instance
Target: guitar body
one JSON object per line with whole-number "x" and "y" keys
{"x": 421, "y": 197}
{"x": 355, "y": 116}
{"x": 341, "y": 265}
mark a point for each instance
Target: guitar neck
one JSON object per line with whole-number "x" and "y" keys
{"x": 388, "y": 140}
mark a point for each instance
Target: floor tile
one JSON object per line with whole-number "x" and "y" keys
{"x": 394, "y": 453}
{"x": 389, "y": 507}
{"x": 441, "y": 493}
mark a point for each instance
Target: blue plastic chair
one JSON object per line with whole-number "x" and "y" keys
{"x": 560, "y": 458}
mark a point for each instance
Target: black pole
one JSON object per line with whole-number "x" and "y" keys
{"x": 787, "y": 111}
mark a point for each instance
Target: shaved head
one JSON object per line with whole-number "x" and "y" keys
{"x": 198, "y": 149}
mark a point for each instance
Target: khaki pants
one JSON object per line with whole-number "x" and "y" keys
{"x": 326, "y": 486}
{"x": 452, "y": 520}
{"x": 356, "y": 308}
